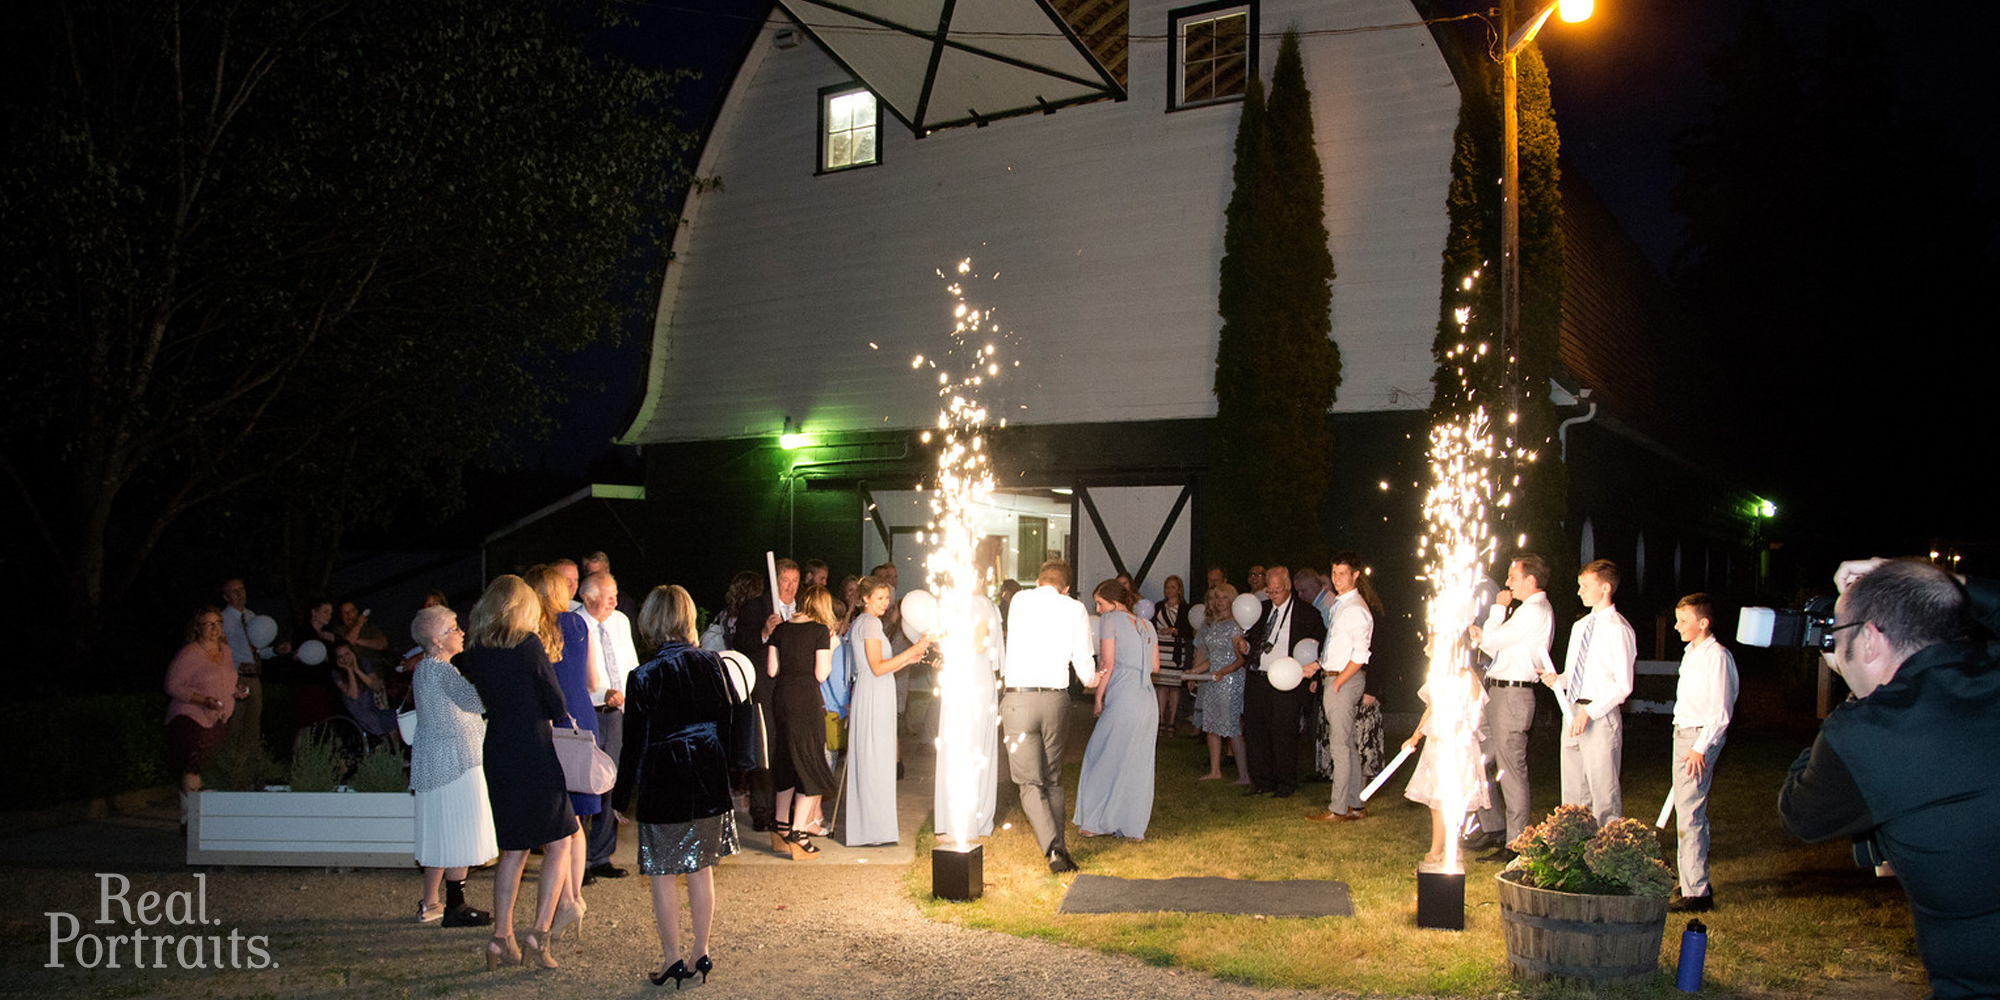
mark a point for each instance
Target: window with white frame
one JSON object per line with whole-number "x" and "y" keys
{"x": 849, "y": 129}
{"x": 1214, "y": 53}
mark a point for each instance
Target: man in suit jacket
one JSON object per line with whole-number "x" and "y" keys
{"x": 1270, "y": 716}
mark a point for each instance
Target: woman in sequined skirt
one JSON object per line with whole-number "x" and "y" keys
{"x": 677, "y": 714}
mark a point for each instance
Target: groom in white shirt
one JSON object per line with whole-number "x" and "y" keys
{"x": 1519, "y": 645}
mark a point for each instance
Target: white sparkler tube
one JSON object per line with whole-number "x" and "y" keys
{"x": 1380, "y": 779}
{"x": 1666, "y": 810}
{"x": 771, "y": 567}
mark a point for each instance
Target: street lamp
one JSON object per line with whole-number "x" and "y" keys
{"x": 1517, "y": 38}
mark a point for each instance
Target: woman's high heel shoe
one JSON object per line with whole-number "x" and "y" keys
{"x": 678, "y": 972}
{"x": 568, "y": 913}
{"x": 502, "y": 951}
{"x": 537, "y": 946}
{"x": 802, "y": 846}
{"x": 704, "y": 966}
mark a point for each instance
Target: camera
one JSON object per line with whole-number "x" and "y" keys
{"x": 1808, "y": 627}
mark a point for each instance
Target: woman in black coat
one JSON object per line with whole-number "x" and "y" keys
{"x": 677, "y": 714}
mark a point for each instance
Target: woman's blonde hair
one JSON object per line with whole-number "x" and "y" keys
{"x": 551, "y": 588}
{"x": 507, "y": 613}
{"x": 1217, "y": 601}
{"x": 667, "y": 616}
{"x": 816, "y": 604}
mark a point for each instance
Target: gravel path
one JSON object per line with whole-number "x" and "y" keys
{"x": 842, "y": 926}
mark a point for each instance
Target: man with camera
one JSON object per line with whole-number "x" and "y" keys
{"x": 1910, "y": 766}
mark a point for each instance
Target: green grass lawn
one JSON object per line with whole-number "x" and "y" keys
{"x": 1793, "y": 919}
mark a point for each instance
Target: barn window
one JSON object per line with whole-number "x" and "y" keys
{"x": 1214, "y": 53}
{"x": 850, "y": 129}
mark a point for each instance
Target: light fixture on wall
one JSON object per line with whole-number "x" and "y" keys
{"x": 792, "y": 438}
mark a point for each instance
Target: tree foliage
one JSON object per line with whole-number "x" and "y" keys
{"x": 322, "y": 251}
{"x": 1471, "y": 367}
{"x": 1276, "y": 365}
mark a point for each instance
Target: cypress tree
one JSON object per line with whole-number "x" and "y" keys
{"x": 1468, "y": 377}
{"x": 1276, "y": 365}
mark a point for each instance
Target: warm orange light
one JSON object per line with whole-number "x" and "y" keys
{"x": 1574, "y": 10}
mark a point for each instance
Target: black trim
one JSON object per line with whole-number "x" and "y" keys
{"x": 1160, "y": 540}
{"x": 1097, "y": 521}
{"x": 937, "y": 56}
{"x": 940, "y": 40}
{"x": 1252, "y": 44}
{"x": 819, "y": 138}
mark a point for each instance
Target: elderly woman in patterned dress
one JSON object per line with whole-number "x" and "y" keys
{"x": 1220, "y": 699}
{"x": 454, "y": 818}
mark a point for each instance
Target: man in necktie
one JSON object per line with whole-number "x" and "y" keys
{"x": 611, "y": 643}
{"x": 752, "y": 638}
{"x": 1602, "y": 654}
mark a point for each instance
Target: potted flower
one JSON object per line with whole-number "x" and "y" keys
{"x": 1585, "y": 903}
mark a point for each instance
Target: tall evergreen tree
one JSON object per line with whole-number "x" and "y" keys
{"x": 1276, "y": 364}
{"x": 1472, "y": 368}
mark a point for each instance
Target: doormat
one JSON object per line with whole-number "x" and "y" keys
{"x": 1207, "y": 894}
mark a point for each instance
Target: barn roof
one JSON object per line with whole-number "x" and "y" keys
{"x": 942, "y": 63}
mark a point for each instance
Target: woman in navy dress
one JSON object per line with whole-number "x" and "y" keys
{"x": 510, "y": 668}
{"x": 569, "y": 640}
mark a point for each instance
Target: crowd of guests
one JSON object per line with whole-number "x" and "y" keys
{"x": 797, "y": 696}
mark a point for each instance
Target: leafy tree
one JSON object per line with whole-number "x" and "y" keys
{"x": 1471, "y": 365}
{"x": 1276, "y": 365}
{"x": 313, "y": 251}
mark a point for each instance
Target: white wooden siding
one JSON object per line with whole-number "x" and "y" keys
{"x": 1099, "y": 231}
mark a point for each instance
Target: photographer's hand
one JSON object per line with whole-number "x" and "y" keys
{"x": 1852, "y": 570}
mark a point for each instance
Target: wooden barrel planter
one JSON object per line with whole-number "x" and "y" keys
{"x": 1567, "y": 935}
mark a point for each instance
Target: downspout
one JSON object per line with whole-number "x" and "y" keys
{"x": 1562, "y": 430}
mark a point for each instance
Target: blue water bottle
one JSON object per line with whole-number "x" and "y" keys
{"x": 1694, "y": 950}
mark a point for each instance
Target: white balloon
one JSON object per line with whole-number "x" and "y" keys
{"x": 1247, "y": 609}
{"x": 1144, "y": 609}
{"x": 311, "y": 652}
{"x": 919, "y": 614}
{"x": 1284, "y": 673}
{"x": 262, "y": 630}
{"x": 738, "y": 674}
{"x": 1196, "y": 614}
{"x": 1307, "y": 651}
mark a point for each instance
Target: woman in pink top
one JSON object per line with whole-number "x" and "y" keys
{"x": 202, "y": 683}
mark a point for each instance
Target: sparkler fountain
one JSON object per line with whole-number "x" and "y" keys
{"x": 966, "y": 621}
{"x": 1457, "y": 549}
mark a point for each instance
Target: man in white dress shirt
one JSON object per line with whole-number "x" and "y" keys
{"x": 1350, "y": 630}
{"x": 611, "y": 643}
{"x": 1271, "y": 717}
{"x": 1703, "y": 702}
{"x": 1602, "y": 653}
{"x": 246, "y": 723}
{"x": 1519, "y": 646}
{"x": 1048, "y": 635}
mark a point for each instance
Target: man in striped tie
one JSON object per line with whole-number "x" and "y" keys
{"x": 1598, "y": 679}
{"x": 611, "y": 643}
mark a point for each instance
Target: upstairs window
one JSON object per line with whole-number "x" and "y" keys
{"x": 1214, "y": 53}
{"x": 849, "y": 129}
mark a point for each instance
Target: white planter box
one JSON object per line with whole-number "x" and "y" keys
{"x": 306, "y": 829}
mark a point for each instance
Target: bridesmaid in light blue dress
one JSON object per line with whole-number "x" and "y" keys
{"x": 871, "y": 721}
{"x": 1115, "y": 794}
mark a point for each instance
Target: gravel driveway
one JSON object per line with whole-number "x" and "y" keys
{"x": 841, "y": 926}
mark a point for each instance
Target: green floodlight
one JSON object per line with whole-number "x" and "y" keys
{"x": 1764, "y": 508}
{"x": 793, "y": 437}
